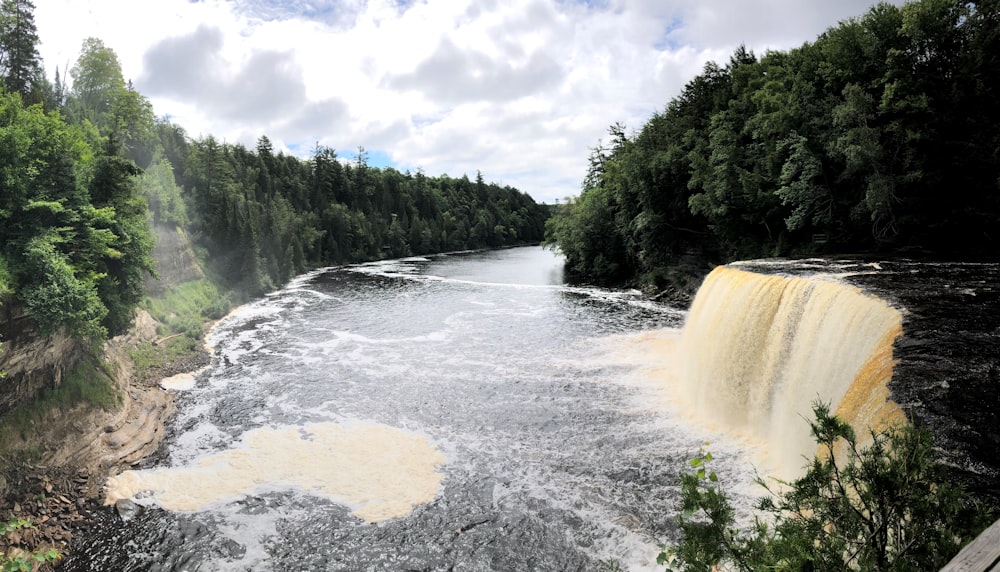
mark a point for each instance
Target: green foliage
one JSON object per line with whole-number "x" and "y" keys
{"x": 73, "y": 229}
{"x": 120, "y": 285}
{"x": 87, "y": 383}
{"x": 264, "y": 217}
{"x": 20, "y": 64}
{"x": 132, "y": 125}
{"x": 6, "y": 285}
{"x": 29, "y": 561}
{"x": 884, "y": 506}
{"x": 55, "y": 296}
{"x": 185, "y": 307}
{"x": 147, "y": 357}
{"x": 583, "y": 233}
{"x": 97, "y": 83}
{"x": 842, "y": 144}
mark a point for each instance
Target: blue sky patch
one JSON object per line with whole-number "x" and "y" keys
{"x": 667, "y": 41}
{"x": 376, "y": 158}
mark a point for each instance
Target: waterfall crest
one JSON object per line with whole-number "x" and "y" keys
{"x": 757, "y": 350}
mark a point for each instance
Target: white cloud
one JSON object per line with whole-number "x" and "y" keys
{"x": 520, "y": 89}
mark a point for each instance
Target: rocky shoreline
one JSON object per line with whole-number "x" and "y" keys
{"x": 62, "y": 493}
{"x": 58, "y": 501}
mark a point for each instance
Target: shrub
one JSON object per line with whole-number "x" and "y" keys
{"x": 885, "y": 506}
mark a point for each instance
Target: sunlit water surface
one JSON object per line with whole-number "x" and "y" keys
{"x": 557, "y": 453}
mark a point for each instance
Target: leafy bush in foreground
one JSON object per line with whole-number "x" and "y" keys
{"x": 884, "y": 506}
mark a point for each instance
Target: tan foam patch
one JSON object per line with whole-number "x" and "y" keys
{"x": 379, "y": 471}
{"x": 179, "y": 382}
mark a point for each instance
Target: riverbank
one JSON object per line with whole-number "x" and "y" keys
{"x": 53, "y": 475}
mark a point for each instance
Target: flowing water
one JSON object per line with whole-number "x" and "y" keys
{"x": 473, "y": 412}
{"x": 459, "y": 412}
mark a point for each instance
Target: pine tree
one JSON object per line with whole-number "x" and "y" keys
{"x": 58, "y": 91}
{"x": 20, "y": 62}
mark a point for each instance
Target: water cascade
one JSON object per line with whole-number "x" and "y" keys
{"x": 757, "y": 351}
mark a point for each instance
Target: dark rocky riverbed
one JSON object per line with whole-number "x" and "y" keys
{"x": 948, "y": 375}
{"x": 57, "y": 501}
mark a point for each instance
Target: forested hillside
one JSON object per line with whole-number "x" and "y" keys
{"x": 74, "y": 234}
{"x": 86, "y": 169}
{"x": 883, "y": 135}
{"x": 264, "y": 216}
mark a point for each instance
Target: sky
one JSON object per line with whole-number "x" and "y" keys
{"x": 520, "y": 90}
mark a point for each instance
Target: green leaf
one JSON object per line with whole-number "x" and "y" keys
{"x": 701, "y": 473}
{"x": 708, "y": 457}
{"x": 696, "y": 462}
{"x": 713, "y": 477}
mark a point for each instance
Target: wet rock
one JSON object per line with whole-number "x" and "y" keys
{"x": 126, "y": 509}
{"x": 192, "y": 530}
{"x": 233, "y": 549}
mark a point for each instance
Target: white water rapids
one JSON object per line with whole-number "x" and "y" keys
{"x": 464, "y": 412}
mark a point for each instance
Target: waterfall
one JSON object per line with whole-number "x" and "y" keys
{"x": 757, "y": 350}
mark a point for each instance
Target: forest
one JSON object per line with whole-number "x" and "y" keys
{"x": 881, "y": 136}
{"x": 87, "y": 169}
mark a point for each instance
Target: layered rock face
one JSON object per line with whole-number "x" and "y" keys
{"x": 175, "y": 260}
{"x": 31, "y": 362}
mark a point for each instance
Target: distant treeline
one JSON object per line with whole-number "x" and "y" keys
{"x": 265, "y": 217}
{"x": 882, "y": 136}
{"x": 86, "y": 169}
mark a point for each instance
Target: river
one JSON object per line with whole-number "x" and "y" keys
{"x": 458, "y": 412}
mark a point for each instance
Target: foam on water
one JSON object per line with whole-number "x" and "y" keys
{"x": 547, "y": 459}
{"x": 380, "y": 472}
{"x": 182, "y": 381}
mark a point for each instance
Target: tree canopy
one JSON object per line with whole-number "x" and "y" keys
{"x": 73, "y": 232}
{"x": 264, "y": 216}
{"x": 882, "y": 135}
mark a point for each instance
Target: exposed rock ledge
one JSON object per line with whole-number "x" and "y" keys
{"x": 100, "y": 441}
{"x": 81, "y": 446}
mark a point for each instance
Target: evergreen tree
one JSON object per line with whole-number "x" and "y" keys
{"x": 58, "y": 91}
{"x": 20, "y": 63}
{"x": 120, "y": 286}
